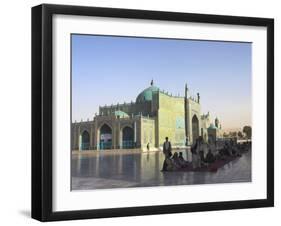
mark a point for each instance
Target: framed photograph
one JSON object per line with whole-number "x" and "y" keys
{"x": 140, "y": 112}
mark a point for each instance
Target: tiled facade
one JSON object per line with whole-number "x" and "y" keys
{"x": 145, "y": 123}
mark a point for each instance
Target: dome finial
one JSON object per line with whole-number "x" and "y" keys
{"x": 151, "y": 83}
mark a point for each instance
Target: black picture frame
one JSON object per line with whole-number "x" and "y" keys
{"x": 42, "y": 111}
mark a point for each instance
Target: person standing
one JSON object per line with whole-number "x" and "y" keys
{"x": 195, "y": 149}
{"x": 167, "y": 148}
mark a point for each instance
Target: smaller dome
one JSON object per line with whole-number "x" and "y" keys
{"x": 121, "y": 114}
{"x": 212, "y": 126}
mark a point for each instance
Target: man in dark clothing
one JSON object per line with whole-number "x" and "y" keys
{"x": 167, "y": 148}
{"x": 210, "y": 158}
{"x": 167, "y": 151}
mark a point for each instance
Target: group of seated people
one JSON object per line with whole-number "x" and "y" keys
{"x": 200, "y": 158}
{"x": 174, "y": 162}
{"x": 233, "y": 149}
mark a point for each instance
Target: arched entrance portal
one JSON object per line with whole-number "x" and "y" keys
{"x": 105, "y": 137}
{"x": 85, "y": 141}
{"x": 195, "y": 128}
{"x": 127, "y": 137}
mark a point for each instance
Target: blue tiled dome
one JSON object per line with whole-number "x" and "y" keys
{"x": 146, "y": 95}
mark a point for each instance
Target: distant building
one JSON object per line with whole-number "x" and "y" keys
{"x": 153, "y": 116}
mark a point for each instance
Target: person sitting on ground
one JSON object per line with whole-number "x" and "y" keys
{"x": 222, "y": 153}
{"x": 176, "y": 161}
{"x": 236, "y": 151}
{"x": 181, "y": 157}
{"x": 213, "y": 146}
{"x": 182, "y": 160}
{"x": 219, "y": 156}
{"x": 244, "y": 147}
{"x": 168, "y": 163}
{"x": 233, "y": 151}
{"x": 201, "y": 156}
{"x": 210, "y": 158}
{"x": 227, "y": 150}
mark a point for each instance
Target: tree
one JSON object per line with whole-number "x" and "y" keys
{"x": 240, "y": 135}
{"x": 248, "y": 131}
{"x": 232, "y": 134}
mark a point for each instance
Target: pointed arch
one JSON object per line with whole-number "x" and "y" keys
{"x": 195, "y": 127}
{"x": 85, "y": 140}
{"x": 127, "y": 137}
{"x": 105, "y": 141}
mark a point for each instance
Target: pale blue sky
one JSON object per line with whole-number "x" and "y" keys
{"x": 108, "y": 69}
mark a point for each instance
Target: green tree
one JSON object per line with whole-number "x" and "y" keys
{"x": 248, "y": 131}
{"x": 240, "y": 134}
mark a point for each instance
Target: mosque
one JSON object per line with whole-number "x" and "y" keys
{"x": 146, "y": 122}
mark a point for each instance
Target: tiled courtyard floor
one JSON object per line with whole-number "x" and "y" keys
{"x": 109, "y": 169}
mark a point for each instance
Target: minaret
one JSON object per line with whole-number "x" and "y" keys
{"x": 186, "y": 90}
{"x": 186, "y": 114}
{"x": 217, "y": 122}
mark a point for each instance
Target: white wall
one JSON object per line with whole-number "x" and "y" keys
{"x": 15, "y": 111}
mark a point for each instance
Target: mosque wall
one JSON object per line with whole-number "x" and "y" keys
{"x": 116, "y": 127}
{"x": 77, "y": 129}
{"x": 154, "y": 110}
{"x": 147, "y": 132}
{"x": 170, "y": 120}
{"x": 132, "y": 108}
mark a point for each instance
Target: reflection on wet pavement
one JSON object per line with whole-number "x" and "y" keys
{"x": 118, "y": 170}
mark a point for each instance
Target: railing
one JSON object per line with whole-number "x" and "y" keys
{"x": 85, "y": 146}
{"x": 105, "y": 145}
{"x": 126, "y": 144}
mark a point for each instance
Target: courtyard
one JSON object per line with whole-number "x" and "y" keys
{"x": 133, "y": 168}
